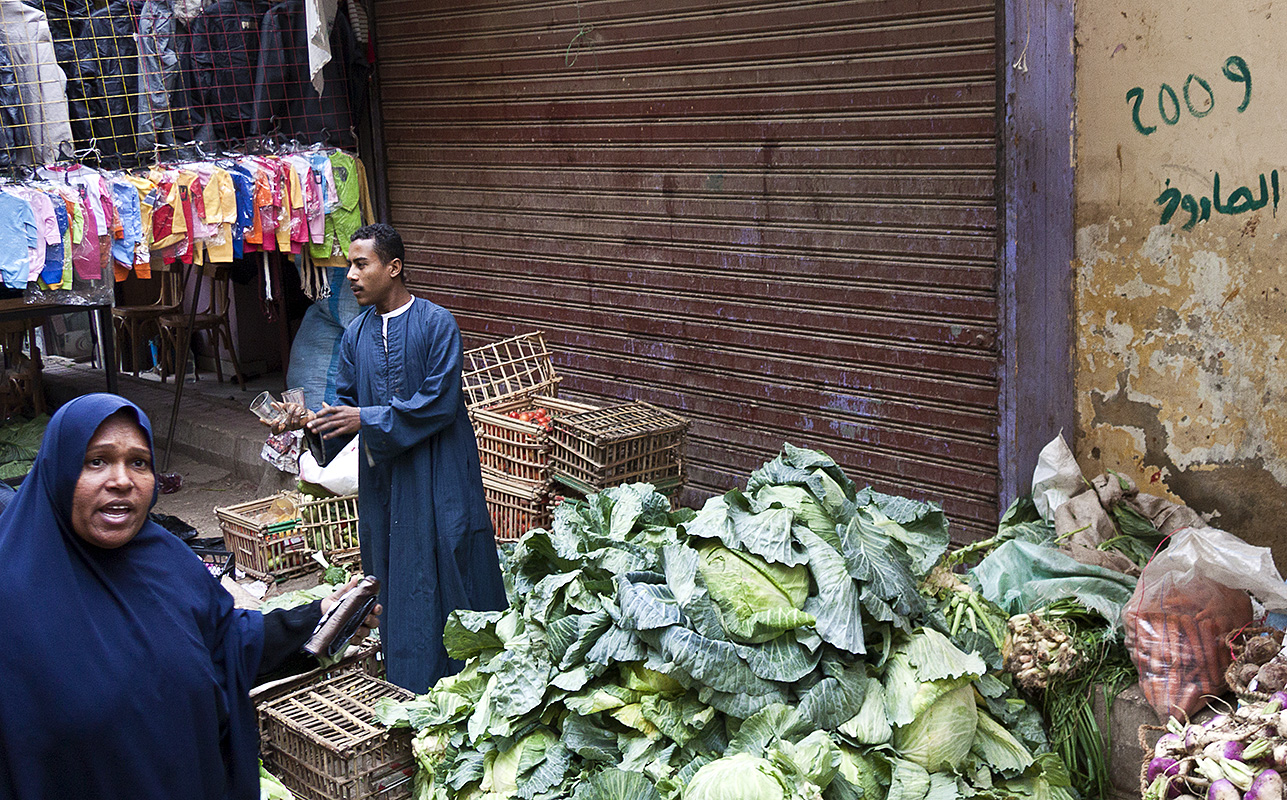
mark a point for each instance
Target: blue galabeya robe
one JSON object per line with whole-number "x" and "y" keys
{"x": 423, "y": 522}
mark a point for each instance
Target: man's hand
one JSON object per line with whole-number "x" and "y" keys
{"x": 294, "y": 416}
{"x": 332, "y": 421}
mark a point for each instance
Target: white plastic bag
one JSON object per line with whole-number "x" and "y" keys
{"x": 1056, "y": 478}
{"x": 339, "y": 476}
{"x": 1224, "y": 558}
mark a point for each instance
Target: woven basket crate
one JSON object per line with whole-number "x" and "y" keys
{"x": 516, "y": 507}
{"x": 511, "y": 368}
{"x": 268, "y": 551}
{"x": 364, "y": 658}
{"x": 330, "y": 525}
{"x": 1237, "y": 642}
{"x": 630, "y": 443}
{"x": 515, "y": 374}
{"x": 326, "y": 744}
{"x": 515, "y": 448}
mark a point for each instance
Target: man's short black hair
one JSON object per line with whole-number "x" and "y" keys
{"x": 385, "y": 241}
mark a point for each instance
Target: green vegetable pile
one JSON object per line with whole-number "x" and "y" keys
{"x": 773, "y": 646}
{"x": 1065, "y": 647}
{"x": 270, "y": 788}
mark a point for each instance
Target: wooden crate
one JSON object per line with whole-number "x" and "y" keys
{"x": 512, "y": 447}
{"x": 327, "y": 745}
{"x": 516, "y": 507}
{"x": 265, "y": 550}
{"x": 364, "y": 658}
{"x": 508, "y": 369}
{"x": 330, "y": 524}
{"x": 281, "y": 550}
{"x": 630, "y": 443}
{"x": 513, "y": 375}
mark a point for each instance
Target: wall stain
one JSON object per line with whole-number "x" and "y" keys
{"x": 1179, "y": 372}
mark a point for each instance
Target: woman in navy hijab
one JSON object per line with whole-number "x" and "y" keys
{"x": 125, "y": 668}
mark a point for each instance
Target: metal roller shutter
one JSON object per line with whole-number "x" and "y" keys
{"x": 776, "y": 218}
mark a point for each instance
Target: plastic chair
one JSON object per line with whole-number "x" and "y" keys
{"x": 213, "y": 318}
{"x": 131, "y": 322}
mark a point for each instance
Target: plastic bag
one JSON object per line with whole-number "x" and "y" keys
{"x": 340, "y": 475}
{"x": 1056, "y": 478}
{"x": 1019, "y": 576}
{"x": 282, "y": 451}
{"x": 1189, "y": 597}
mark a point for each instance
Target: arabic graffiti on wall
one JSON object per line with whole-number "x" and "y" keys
{"x": 1241, "y": 200}
{"x": 1198, "y": 102}
{"x": 1199, "y": 98}
{"x": 1180, "y": 275}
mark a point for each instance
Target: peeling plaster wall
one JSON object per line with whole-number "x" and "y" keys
{"x": 1181, "y": 255}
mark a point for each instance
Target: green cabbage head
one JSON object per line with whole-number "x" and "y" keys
{"x": 940, "y": 737}
{"x": 757, "y": 600}
{"x": 737, "y": 777}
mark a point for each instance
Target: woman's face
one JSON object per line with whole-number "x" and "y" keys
{"x": 114, "y": 491}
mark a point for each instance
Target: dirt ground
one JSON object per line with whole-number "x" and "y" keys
{"x": 206, "y": 488}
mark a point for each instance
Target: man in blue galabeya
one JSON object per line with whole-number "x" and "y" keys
{"x": 422, "y": 519}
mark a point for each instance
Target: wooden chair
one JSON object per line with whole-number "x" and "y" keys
{"x": 212, "y": 318}
{"x": 20, "y": 384}
{"x": 132, "y": 322}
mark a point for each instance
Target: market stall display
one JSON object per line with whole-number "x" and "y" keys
{"x": 802, "y": 639}
{"x": 773, "y": 645}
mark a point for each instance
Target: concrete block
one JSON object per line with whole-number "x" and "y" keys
{"x": 1129, "y": 712}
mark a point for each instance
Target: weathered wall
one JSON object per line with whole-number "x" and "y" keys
{"x": 1181, "y": 164}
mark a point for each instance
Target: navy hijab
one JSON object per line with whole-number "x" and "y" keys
{"x": 123, "y": 673}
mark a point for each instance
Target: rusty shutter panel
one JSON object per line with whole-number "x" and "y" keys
{"x": 776, "y": 218}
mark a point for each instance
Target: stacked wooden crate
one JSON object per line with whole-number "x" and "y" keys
{"x": 628, "y": 443}
{"x": 529, "y": 438}
{"x": 505, "y": 384}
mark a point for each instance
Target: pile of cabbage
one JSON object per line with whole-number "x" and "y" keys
{"x": 772, "y": 646}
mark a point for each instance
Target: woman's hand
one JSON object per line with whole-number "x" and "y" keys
{"x": 372, "y": 620}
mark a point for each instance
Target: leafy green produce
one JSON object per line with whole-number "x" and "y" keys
{"x": 270, "y": 788}
{"x": 738, "y": 777}
{"x": 773, "y": 644}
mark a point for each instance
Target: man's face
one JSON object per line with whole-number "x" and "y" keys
{"x": 371, "y": 279}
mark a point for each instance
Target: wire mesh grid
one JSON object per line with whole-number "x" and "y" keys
{"x": 118, "y": 83}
